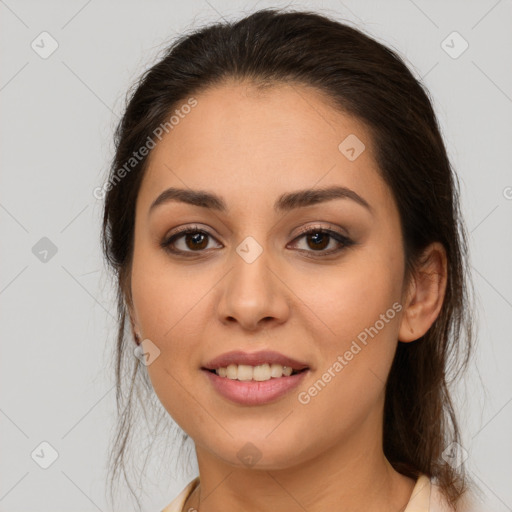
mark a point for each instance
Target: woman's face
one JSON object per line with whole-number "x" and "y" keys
{"x": 247, "y": 278}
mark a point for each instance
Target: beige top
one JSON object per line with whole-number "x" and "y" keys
{"x": 425, "y": 497}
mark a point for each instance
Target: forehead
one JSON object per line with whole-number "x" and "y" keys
{"x": 238, "y": 138}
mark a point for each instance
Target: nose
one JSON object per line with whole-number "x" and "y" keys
{"x": 253, "y": 294}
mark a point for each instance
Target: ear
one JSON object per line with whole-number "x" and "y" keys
{"x": 425, "y": 294}
{"x": 134, "y": 323}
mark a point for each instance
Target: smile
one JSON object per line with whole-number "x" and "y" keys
{"x": 252, "y": 391}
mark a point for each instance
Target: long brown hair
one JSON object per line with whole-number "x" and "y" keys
{"x": 361, "y": 77}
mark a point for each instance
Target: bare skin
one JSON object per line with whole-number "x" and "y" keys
{"x": 251, "y": 147}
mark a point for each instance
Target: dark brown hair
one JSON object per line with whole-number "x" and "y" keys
{"x": 363, "y": 78}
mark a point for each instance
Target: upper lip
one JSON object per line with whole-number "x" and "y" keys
{"x": 253, "y": 359}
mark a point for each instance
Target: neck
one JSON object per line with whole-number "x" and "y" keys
{"x": 354, "y": 475}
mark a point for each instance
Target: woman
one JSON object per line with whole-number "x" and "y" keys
{"x": 283, "y": 224}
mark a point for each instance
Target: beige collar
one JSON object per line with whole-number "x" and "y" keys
{"x": 425, "y": 497}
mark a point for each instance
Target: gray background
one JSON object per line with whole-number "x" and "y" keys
{"x": 58, "y": 116}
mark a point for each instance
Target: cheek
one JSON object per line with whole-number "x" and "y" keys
{"x": 351, "y": 297}
{"x": 172, "y": 308}
{"x": 165, "y": 296}
{"x": 166, "y": 305}
{"x": 357, "y": 307}
{"x": 349, "y": 383}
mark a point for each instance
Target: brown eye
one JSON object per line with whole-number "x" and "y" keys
{"x": 318, "y": 239}
{"x": 191, "y": 239}
{"x": 196, "y": 241}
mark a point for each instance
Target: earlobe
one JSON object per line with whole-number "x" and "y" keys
{"x": 426, "y": 294}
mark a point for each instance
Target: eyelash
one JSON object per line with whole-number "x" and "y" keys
{"x": 166, "y": 244}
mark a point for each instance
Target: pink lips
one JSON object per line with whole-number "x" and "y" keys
{"x": 254, "y": 392}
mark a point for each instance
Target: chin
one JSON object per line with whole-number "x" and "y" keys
{"x": 260, "y": 452}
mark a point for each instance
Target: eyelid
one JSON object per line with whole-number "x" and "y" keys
{"x": 328, "y": 227}
{"x": 187, "y": 228}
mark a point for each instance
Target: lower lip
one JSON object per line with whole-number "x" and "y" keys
{"x": 251, "y": 392}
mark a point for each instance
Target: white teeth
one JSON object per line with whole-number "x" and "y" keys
{"x": 261, "y": 372}
{"x": 232, "y": 371}
{"x": 287, "y": 370}
{"x": 244, "y": 372}
{"x": 276, "y": 370}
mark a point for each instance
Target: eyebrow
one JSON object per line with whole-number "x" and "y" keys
{"x": 285, "y": 203}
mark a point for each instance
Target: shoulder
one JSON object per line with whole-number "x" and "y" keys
{"x": 177, "y": 503}
{"x": 428, "y": 497}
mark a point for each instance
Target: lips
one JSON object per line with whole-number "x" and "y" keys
{"x": 253, "y": 393}
{"x": 239, "y": 357}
